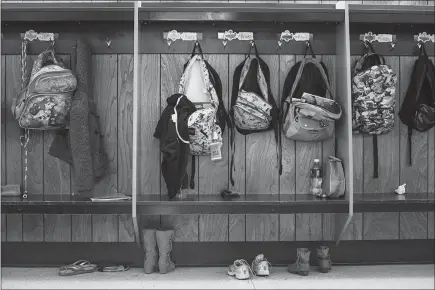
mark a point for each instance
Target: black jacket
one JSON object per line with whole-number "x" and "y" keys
{"x": 175, "y": 152}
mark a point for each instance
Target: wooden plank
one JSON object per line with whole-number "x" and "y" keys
{"x": 125, "y": 139}
{"x": 383, "y": 2}
{"x": 125, "y": 122}
{"x": 328, "y": 149}
{"x": 33, "y": 228}
{"x": 13, "y": 157}
{"x": 388, "y": 156}
{"x": 331, "y": 220}
{"x": 381, "y": 226}
{"x": 186, "y": 226}
{"x": 431, "y": 157}
{"x": 149, "y": 150}
{"x": 105, "y": 228}
{"x": 358, "y": 152}
{"x": 126, "y": 230}
{"x": 81, "y": 228}
{"x": 150, "y": 113}
{"x": 287, "y": 180}
{"x": 430, "y": 225}
{"x": 105, "y": 73}
{"x": 213, "y": 176}
{"x": 237, "y": 223}
{"x": 14, "y": 228}
{"x": 308, "y": 226}
{"x": 414, "y": 2}
{"x": 262, "y": 175}
{"x": 57, "y": 180}
{"x": 3, "y": 218}
{"x": 413, "y": 225}
{"x": 57, "y": 228}
{"x": 3, "y": 120}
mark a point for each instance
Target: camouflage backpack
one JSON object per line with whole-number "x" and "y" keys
{"x": 373, "y": 98}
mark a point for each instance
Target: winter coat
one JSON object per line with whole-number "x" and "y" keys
{"x": 175, "y": 151}
{"x": 82, "y": 145}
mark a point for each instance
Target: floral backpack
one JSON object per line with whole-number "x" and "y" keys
{"x": 45, "y": 101}
{"x": 201, "y": 84}
{"x": 373, "y": 98}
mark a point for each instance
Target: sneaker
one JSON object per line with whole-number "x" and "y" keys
{"x": 240, "y": 269}
{"x": 260, "y": 266}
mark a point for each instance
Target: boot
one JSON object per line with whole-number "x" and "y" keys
{"x": 150, "y": 243}
{"x": 164, "y": 242}
{"x": 323, "y": 259}
{"x": 302, "y": 264}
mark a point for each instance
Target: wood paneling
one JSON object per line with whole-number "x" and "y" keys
{"x": 3, "y": 120}
{"x": 105, "y": 73}
{"x": 237, "y": 223}
{"x": 81, "y": 228}
{"x": 381, "y": 226}
{"x": 3, "y": 227}
{"x": 287, "y": 181}
{"x": 213, "y": 175}
{"x": 262, "y": 169}
{"x": 13, "y": 147}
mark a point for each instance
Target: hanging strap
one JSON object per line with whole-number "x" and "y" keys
{"x": 192, "y": 175}
{"x": 310, "y": 48}
{"x": 197, "y": 46}
{"x": 409, "y": 145}
{"x": 375, "y": 157}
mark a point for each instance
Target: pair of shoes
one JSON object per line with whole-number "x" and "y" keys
{"x": 302, "y": 264}
{"x": 163, "y": 240}
{"x": 242, "y": 271}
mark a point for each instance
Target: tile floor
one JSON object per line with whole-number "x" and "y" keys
{"x": 342, "y": 277}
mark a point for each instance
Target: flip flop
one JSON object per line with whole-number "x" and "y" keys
{"x": 76, "y": 268}
{"x": 113, "y": 268}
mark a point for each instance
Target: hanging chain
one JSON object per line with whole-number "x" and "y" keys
{"x": 24, "y": 138}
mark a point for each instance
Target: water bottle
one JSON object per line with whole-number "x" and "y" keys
{"x": 316, "y": 179}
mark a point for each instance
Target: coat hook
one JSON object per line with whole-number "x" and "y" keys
{"x": 252, "y": 43}
{"x": 108, "y": 42}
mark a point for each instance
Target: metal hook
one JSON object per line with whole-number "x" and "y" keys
{"x": 108, "y": 42}
{"x": 252, "y": 43}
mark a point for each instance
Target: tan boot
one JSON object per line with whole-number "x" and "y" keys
{"x": 164, "y": 242}
{"x": 323, "y": 259}
{"x": 302, "y": 264}
{"x": 150, "y": 243}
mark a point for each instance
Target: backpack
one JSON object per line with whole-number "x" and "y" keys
{"x": 418, "y": 107}
{"x": 309, "y": 115}
{"x": 45, "y": 101}
{"x": 253, "y": 108}
{"x": 207, "y": 123}
{"x": 373, "y": 98}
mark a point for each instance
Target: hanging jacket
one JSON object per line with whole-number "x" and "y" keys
{"x": 82, "y": 145}
{"x": 174, "y": 142}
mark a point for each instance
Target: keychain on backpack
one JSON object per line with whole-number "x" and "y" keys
{"x": 215, "y": 148}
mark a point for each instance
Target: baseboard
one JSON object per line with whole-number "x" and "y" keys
{"x": 29, "y": 254}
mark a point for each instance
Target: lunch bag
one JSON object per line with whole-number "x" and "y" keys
{"x": 309, "y": 117}
{"x": 45, "y": 101}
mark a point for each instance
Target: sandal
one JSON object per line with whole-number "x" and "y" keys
{"x": 76, "y": 268}
{"x": 113, "y": 268}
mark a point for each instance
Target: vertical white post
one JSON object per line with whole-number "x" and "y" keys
{"x": 135, "y": 156}
{"x": 344, "y": 96}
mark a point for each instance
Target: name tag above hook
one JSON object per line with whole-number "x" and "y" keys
{"x": 424, "y": 37}
{"x": 382, "y": 38}
{"x": 174, "y": 35}
{"x": 298, "y": 36}
{"x": 31, "y": 35}
{"x": 230, "y": 35}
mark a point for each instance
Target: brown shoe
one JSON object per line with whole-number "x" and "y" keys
{"x": 164, "y": 242}
{"x": 302, "y": 264}
{"x": 150, "y": 247}
{"x": 323, "y": 259}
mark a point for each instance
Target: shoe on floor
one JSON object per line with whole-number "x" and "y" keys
{"x": 261, "y": 266}
{"x": 323, "y": 259}
{"x": 240, "y": 269}
{"x": 302, "y": 265}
